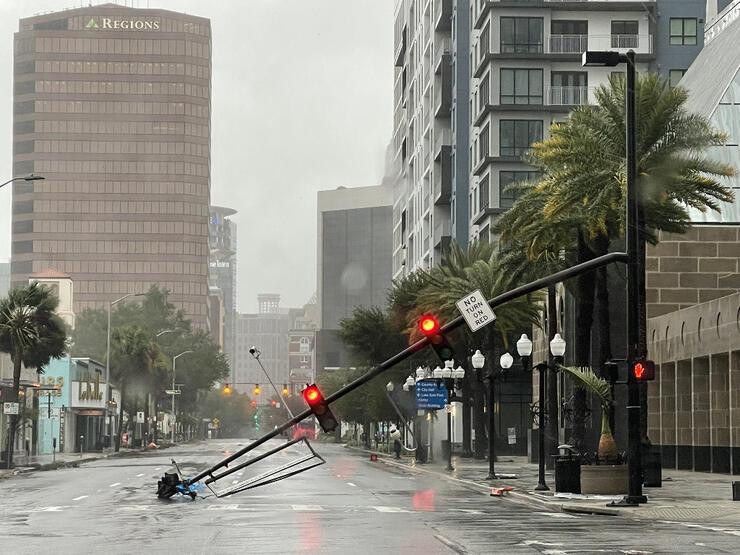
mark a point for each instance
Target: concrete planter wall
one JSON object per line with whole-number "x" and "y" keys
{"x": 605, "y": 479}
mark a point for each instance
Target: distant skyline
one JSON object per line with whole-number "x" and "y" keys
{"x": 302, "y": 102}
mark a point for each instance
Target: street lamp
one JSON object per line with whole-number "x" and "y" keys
{"x": 557, "y": 346}
{"x": 479, "y": 361}
{"x": 29, "y": 177}
{"x": 635, "y": 268}
{"x": 107, "y": 345}
{"x": 174, "y": 361}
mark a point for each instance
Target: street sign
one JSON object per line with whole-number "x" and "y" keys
{"x": 172, "y": 392}
{"x": 430, "y": 395}
{"x": 140, "y": 417}
{"x": 474, "y": 308}
{"x": 10, "y": 408}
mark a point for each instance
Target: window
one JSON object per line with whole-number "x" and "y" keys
{"x": 521, "y": 34}
{"x": 507, "y": 178}
{"x": 484, "y": 94}
{"x": 569, "y": 88}
{"x": 517, "y": 136}
{"x": 521, "y": 86}
{"x": 484, "y": 192}
{"x": 683, "y": 30}
{"x": 483, "y": 143}
{"x": 624, "y": 34}
{"x": 485, "y": 41}
{"x": 566, "y": 27}
{"x": 674, "y": 76}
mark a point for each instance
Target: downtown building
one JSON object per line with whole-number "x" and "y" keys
{"x": 526, "y": 74}
{"x": 112, "y": 106}
{"x": 222, "y": 278}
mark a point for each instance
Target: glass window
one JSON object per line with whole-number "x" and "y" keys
{"x": 507, "y": 178}
{"x": 484, "y": 192}
{"x": 624, "y": 34}
{"x": 521, "y": 34}
{"x": 674, "y": 76}
{"x": 484, "y": 94}
{"x": 568, "y": 27}
{"x": 483, "y": 142}
{"x": 521, "y": 86}
{"x": 517, "y": 136}
{"x": 683, "y": 30}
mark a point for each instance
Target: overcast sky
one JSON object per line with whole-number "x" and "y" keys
{"x": 302, "y": 101}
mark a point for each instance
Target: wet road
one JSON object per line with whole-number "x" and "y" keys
{"x": 349, "y": 505}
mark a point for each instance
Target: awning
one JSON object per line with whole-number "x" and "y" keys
{"x": 89, "y": 412}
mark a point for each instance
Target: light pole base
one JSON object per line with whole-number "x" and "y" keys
{"x": 492, "y": 477}
{"x": 629, "y": 501}
{"x": 542, "y": 487}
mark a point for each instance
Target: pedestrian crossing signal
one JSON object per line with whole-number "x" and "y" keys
{"x": 643, "y": 370}
{"x": 320, "y": 408}
{"x": 430, "y": 328}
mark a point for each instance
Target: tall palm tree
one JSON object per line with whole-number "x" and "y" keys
{"x": 582, "y": 192}
{"x": 32, "y": 334}
{"x": 133, "y": 359}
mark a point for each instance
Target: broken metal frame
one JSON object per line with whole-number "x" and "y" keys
{"x": 517, "y": 292}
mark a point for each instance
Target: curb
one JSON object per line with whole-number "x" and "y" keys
{"x": 587, "y": 510}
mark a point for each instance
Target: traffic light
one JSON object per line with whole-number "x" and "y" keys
{"x": 227, "y": 389}
{"x": 285, "y": 390}
{"x": 429, "y": 326}
{"x": 253, "y": 403}
{"x": 643, "y": 370}
{"x": 320, "y": 408}
{"x": 257, "y": 389}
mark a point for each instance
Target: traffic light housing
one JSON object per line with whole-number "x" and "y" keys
{"x": 227, "y": 389}
{"x": 286, "y": 392}
{"x": 430, "y": 328}
{"x": 320, "y": 408}
{"x": 257, "y": 389}
{"x": 643, "y": 370}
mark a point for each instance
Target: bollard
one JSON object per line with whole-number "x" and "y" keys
{"x": 736, "y": 491}
{"x": 373, "y": 457}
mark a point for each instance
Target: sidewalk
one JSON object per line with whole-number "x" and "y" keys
{"x": 686, "y": 497}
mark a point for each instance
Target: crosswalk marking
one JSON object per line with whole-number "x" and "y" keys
{"x": 80, "y": 497}
{"x": 114, "y": 485}
{"x": 139, "y": 475}
{"x": 382, "y": 509}
{"x": 308, "y": 508}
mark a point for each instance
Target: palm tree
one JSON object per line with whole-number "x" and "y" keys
{"x": 32, "y": 334}
{"x": 133, "y": 357}
{"x": 581, "y": 194}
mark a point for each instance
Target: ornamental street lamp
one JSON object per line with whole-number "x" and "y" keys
{"x": 479, "y": 361}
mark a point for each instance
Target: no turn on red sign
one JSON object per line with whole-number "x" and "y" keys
{"x": 474, "y": 308}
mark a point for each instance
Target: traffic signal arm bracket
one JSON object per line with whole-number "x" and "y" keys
{"x": 419, "y": 345}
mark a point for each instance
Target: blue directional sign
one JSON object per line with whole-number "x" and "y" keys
{"x": 430, "y": 395}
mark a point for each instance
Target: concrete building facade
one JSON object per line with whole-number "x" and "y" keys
{"x": 353, "y": 261}
{"x": 222, "y": 267}
{"x": 112, "y": 107}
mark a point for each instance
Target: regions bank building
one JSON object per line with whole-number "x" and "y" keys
{"x": 112, "y": 106}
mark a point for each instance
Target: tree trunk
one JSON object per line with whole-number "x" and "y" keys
{"x": 584, "y": 321}
{"x": 13, "y": 417}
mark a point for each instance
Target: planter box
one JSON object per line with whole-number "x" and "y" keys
{"x": 605, "y": 479}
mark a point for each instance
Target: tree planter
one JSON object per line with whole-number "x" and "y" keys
{"x": 605, "y": 479}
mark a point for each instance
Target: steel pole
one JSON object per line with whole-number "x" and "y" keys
{"x": 174, "y": 362}
{"x": 633, "y": 296}
{"x": 107, "y": 376}
{"x": 542, "y": 455}
{"x": 449, "y": 439}
{"x": 491, "y": 428}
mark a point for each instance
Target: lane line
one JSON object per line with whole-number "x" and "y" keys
{"x": 351, "y": 484}
{"x": 390, "y": 510}
{"x": 80, "y": 497}
{"x": 114, "y": 485}
{"x": 139, "y": 475}
{"x": 308, "y": 508}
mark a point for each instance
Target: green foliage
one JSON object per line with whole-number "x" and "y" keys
{"x": 585, "y": 378}
{"x": 234, "y": 411}
{"x": 371, "y": 336}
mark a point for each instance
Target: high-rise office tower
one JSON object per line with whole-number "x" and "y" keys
{"x": 112, "y": 107}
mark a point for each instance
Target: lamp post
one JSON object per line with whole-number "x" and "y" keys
{"x": 174, "y": 361}
{"x": 635, "y": 268}
{"x": 29, "y": 177}
{"x": 107, "y": 355}
{"x": 479, "y": 361}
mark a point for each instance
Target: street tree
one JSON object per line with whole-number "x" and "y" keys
{"x": 32, "y": 334}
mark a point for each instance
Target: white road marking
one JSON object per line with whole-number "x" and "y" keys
{"x": 351, "y": 484}
{"x": 308, "y": 508}
{"x": 139, "y": 475}
{"x": 390, "y": 510}
{"x": 235, "y": 481}
{"x": 158, "y": 468}
{"x": 555, "y": 515}
{"x": 80, "y": 497}
{"x": 54, "y": 509}
{"x": 114, "y": 485}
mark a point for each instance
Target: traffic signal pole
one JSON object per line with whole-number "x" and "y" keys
{"x": 526, "y": 289}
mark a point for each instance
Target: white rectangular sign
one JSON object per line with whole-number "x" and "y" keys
{"x": 475, "y": 310}
{"x": 89, "y": 395}
{"x": 10, "y": 408}
{"x": 172, "y": 392}
{"x": 140, "y": 417}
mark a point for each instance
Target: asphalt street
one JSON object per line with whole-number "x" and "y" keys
{"x": 348, "y": 505}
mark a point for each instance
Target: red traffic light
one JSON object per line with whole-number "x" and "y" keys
{"x": 643, "y": 370}
{"x": 312, "y": 395}
{"x": 428, "y": 324}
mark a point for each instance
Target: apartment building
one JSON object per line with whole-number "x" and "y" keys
{"x": 430, "y": 131}
{"x": 526, "y": 74}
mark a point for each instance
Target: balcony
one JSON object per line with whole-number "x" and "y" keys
{"x": 442, "y": 138}
{"x": 442, "y": 234}
{"x": 442, "y": 15}
{"x": 568, "y": 96}
{"x": 401, "y": 47}
{"x": 568, "y": 44}
{"x": 443, "y": 89}
{"x": 443, "y": 46}
{"x": 442, "y": 179}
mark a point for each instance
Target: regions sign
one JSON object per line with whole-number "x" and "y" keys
{"x": 430, "y": 395}
{"x": 123, "y": 24}
{"x": 474, "y": 308}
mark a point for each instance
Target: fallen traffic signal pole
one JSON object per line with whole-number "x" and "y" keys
{"x": 190, "y": 485}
